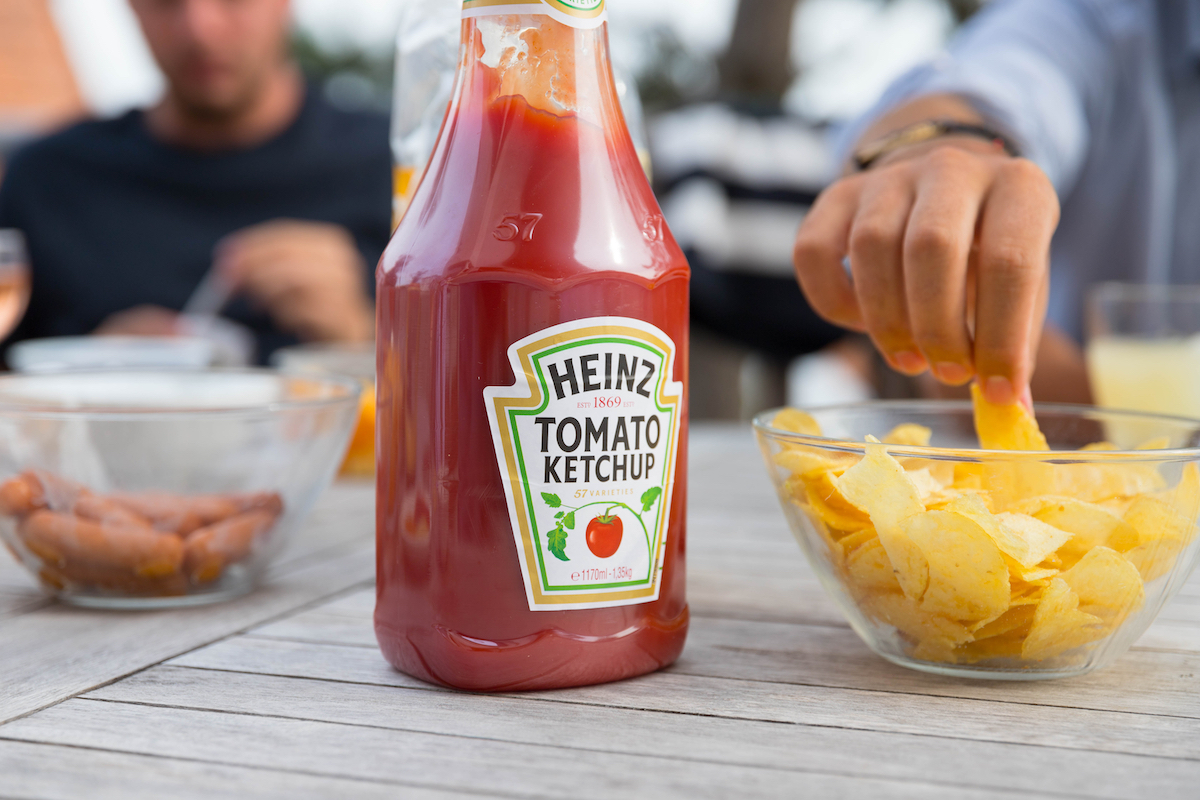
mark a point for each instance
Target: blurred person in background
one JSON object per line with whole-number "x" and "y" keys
{"x": 1080, "y": 163}
{"x": 241, "y": 168}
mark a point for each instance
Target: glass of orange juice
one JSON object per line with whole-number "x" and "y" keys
{"x": 351, "y": 360}
{"x": 1143, "y": 349}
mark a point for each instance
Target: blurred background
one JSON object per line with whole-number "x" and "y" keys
{"x": 743, "y": 99}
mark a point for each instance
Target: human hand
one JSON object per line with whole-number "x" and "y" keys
{"x": 948, "y": 244}
{"x": 146, "y": 320}
{"x": 308, "y": 276}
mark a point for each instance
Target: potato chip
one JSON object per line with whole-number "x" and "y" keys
{"x": 1007, "y": 646}
{"x": 1010, "y": 427}
{"x": 942, "y": 471}
{"x": 1024, "y": 539}
{"x": 951, "y": 494}
{"x": 1059, "y": 625}
{"x": 1018, "y": 572}
{"x": 831, "y": 506}
{"x": 1028, "y": 598}
{"x": 1185, "y": 497}
{"x": 1013, "y": 619}
{"x": 869, "y": 569}
{"x": 909, "y": 433}
{"x": 1027, "y": 593}
{"x": 968, "y": 476}
{"x": 1162, "y": 533}
{"x": 851, "y": 541}
{"x": 941, "y": 650}
{"x": 1090, "y": 525}
{"x": 1107, "y": 584}
{"x": 1157, "y": 443}
{"x": 1155, "y": 559}
{"x": 796, "y": 421}
{"x": 879, "y": 486}
{"x": 832, "y": 545}
{"x": 1155, "y": 519}
{"x": 1099, "y": 446}
{"x": 928, "y": 487}
{"x": 806, "y": 462}
{"x": 967, "y": 578}
{"x": 1005, "y": 427}
{"x": 1094, "y": 482}
{"x": 1028, "y": 539}
{"x": 907, "y": 616}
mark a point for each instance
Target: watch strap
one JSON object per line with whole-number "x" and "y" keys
{"x": 926, "y": 131}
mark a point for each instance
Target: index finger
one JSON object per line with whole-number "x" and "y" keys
{"x": 1018, "y": 222}
{"x": 821, "y": 246}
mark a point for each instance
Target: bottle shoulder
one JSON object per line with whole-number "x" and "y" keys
{"x": 558, "y": 202}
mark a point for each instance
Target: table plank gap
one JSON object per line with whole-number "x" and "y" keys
{"x": 67, "y": 772}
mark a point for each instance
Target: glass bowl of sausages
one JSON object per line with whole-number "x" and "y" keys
{"x": 153, "y": 488}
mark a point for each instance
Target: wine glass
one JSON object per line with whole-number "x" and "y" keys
{"x": 14, "y": 279}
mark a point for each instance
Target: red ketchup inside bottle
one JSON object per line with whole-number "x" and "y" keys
{"x": 534, "y": 212}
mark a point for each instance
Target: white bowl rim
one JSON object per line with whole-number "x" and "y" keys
{"x": 124, "y": 413}
{"x": 761, "y": 423}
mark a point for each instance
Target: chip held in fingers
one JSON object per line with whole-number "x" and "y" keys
{"x": 1026, "y": 562}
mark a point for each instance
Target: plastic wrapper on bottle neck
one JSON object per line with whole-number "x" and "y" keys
{"x": 427, "y": 49}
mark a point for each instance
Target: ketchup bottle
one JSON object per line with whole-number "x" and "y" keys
{"x": 532, "y": 415}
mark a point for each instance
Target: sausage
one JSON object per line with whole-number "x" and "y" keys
{"x": 64, "y": 540}
{"x": 209, "y": 550}
{"x": 61, "y": 494}
{"x": 266, "y": 501}
{"x": 98, "y": 508}
{"x": 37, "y": 489}
{"x": 165, "y": 512}
{"x": 21, "y": 495}
{"x": 185, "y": 514}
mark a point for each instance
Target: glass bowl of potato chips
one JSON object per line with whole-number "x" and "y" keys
{"x": 972, "y": 539}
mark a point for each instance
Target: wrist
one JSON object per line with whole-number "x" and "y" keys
{"x": 913, "y": 151}
{"x": 928, "y": 133}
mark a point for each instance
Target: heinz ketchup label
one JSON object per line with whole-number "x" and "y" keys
{"x": 576, "y": 13}
{"x": 586, "y": 440}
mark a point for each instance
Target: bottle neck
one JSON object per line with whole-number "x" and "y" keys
{"x": 555, "y": 68}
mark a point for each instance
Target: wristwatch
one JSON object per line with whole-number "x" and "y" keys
{"x": 926, "y": 131}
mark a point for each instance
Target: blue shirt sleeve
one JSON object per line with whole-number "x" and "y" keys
{"x": 1037, "y": 69}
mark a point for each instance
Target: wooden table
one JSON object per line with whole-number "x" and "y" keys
{"x": 284, "y": 693}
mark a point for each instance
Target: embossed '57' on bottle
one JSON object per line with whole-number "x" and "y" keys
{"x": 532, "y": 413}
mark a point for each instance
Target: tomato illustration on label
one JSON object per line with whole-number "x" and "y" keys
{"x": 604, "y": 535}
